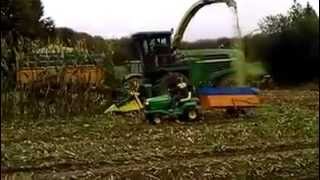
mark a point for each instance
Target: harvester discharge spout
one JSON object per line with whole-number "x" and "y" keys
{"x": 190, "y": 14}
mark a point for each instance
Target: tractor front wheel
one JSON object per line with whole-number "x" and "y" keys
{"x": 154, "y": 119}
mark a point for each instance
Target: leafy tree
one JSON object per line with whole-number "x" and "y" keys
{"x": 24, "y": 18}
{"x": 274, "y": 24}
{"x": 48, "y": 26}
{"x": 293, "y": 48}
{"x": 66, "y": 35}
{"x": 122, "y": 50}
{"x": 297, "y": 14}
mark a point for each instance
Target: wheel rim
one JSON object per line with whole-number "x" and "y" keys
{"x": 157, "y": 120}
{"x": 192, "y": 114}
{"x": 132, "y": 85}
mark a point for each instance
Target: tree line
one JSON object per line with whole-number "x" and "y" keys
{"x": 288, "y": 44}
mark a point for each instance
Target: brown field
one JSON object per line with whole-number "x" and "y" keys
{"x": 280, "y": 141}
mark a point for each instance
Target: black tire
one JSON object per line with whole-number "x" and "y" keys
{"x": 232, "y": 112}
{"x": 154, "y": 119}
{"x": 148, "y": 118}
{"x": 132, "y": 84}
{"x": 191, "y": 115}
{"x": 250, "y": 113}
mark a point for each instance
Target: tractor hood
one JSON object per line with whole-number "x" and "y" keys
{"x": 159, "y": 102}
{"x": 206, "y": 54}
{"x": 159, "y": 99}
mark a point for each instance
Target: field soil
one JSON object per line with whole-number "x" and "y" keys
{"x": 280, "y": 141}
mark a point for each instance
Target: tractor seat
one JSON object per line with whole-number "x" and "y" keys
{"x": 187, "y": 98}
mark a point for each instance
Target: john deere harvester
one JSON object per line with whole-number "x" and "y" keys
{"x": 160, "y": 57}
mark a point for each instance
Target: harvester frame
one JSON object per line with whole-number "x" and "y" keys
{"x": 160, "y": 56}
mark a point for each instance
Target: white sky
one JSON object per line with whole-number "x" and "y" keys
{"x": 117, "y": 18}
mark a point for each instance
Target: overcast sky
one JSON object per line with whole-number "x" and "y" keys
{"x": 117, "y": 18}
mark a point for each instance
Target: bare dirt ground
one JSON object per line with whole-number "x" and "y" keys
{"x": 280, "y": 141}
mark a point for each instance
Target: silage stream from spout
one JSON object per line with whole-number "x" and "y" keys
{"x": 243, "y": 69}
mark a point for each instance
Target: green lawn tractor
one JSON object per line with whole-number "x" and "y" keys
{"x": 160, "y": 107}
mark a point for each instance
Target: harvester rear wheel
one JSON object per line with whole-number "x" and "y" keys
{"x": 164, "y": 81}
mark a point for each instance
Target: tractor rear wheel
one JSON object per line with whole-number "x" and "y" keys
{"x": 191, "y": 115}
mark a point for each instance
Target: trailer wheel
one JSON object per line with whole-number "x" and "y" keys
{"x": 232, "y": 112}
{"x": 250, "y": 113}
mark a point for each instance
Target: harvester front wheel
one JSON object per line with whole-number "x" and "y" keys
{"x": 132, "y": 84}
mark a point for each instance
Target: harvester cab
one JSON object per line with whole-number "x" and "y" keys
{"x": 154, "y": 49}
{"x": 160, "y": 53}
